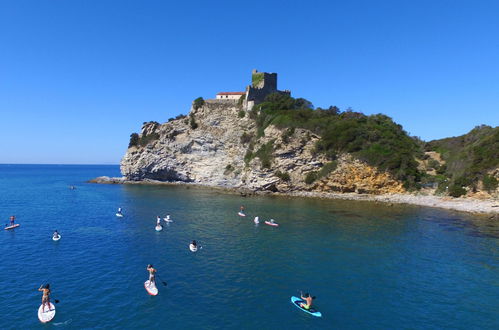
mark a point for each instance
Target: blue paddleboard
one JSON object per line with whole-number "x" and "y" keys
{"x": 312, "y": 311}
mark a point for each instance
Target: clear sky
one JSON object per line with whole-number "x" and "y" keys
{"x": 78, "y": 76}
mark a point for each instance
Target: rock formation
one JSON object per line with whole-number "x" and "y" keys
{"x": 217, "y": 145}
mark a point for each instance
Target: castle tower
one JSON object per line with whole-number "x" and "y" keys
{"x": 262, "y": 84}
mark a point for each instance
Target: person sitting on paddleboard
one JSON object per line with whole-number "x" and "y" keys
{"x": 194, "y": 244}
{"x": 152, "y": 277}
{"x": 272, "y": 221}
{"x": 56, "y": 234}
{"x": 46, "y": 296}
{"x": 12, "y": 219}
{"x": 308, "y": 299}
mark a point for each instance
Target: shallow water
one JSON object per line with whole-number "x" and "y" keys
{"x": 371, "y": 266}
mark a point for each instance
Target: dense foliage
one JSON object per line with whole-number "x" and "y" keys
{"x": 469, "y": 158}
{"x": 198, "y": 103}
{"x": 375, "y": 139}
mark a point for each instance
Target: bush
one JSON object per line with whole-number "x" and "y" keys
{"x": 241, "y": 113}
{"x": 265, "y": 154}
{"x": 246, "y": 138}
{"x": 455, "y": 190}
{"x": 146, "y": 139}
{"x": 489, "y": 183}
{"x": 287, "y": 134}
{"x": 134, "y": 140}
{"x": 310, "y": 177}
{"x": 284, "y": 176}
{"x": 192, "y": 122}
{"x": 228, "y": 169}
{"x": 198, "y": 103}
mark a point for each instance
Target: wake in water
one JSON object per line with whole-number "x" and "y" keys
{"x": 63, "y": 323}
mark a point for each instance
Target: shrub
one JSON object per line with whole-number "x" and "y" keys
{"x": 134, "y": 140}
{"x": 146, "y": 139}
{"x": 198, "y": 103}
{"x": 265, "y": 154}
{"x": 180, "y": 116}
{"x": 310, "y": 177}
{"x": 287, "y": 134}
{"x": 256, "y": 78}
{"x": 246, "y": 138}
{"x": 455, "y": 190}
{"x": 192, "y": 121}
{"x": 229, "y": 168}
{"x": 489, "y": 183}
{"x": 284, "y": 176}
{"x": 241, "y": 113}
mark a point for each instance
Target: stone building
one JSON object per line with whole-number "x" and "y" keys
{"x": 262, "y": 84}
{"x": 230, "y": 95}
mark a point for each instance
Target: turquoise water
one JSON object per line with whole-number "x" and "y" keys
{"x": 370, "y": 266}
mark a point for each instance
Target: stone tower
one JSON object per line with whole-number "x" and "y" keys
{"x": 262, "y": 84}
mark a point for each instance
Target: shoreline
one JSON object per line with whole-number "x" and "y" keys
{"x": 488, "y": 207}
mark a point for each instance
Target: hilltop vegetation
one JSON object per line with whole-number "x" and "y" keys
{"x": 468, "y": 159}
{"x": 375, "y": 139}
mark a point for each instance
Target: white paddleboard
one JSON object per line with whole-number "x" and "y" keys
{"x": 241, "y": 214}
{"x": 47, "y": 315}
{"x": 152, "y": 290}
{"x": 56, "y": 238}
{"x": 158, "y": 228}
{"x": 193, "y": 248}
{"x": 119, "y": 215}
{"x": 167, "y": 220}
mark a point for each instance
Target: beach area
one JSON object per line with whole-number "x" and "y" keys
{"x": 487, "y": 206}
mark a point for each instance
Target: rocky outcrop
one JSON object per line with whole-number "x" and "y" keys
{"x": 218, "y": 145}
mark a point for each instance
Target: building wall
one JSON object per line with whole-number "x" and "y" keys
{"x": 228, "y": 97}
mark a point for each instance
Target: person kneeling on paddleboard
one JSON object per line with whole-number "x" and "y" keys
{"x": 152, "y": 277}
{"x": 308, "y": 299}
{"x": 46, "y": 296}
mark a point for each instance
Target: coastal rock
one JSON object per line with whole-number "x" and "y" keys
{"x": 218, "y": 145}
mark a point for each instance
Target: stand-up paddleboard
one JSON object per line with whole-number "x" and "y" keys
{"x": 12, "y": 227}
{"x": 168, "y": 220}
{"x": 273, "y": 224}
{"x": 193, "y": 248}
{"x": 257, "y": 221}
{"x": 159, "y": 228}
{"x": 56, "y": 238}
{"x": 241, "y": 214}
{"x": 47, "y": 315}
{"x": 119, "y": 215}
{"x": 312, "y": 311}
{"x": 152, "y": 290}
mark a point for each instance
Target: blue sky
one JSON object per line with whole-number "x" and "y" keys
{"x": 77, "y": 77}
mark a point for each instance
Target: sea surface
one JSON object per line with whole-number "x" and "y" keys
{"x": 370, "y": 266}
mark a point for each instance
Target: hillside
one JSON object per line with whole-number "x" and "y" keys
{"x": 470, "y": 161}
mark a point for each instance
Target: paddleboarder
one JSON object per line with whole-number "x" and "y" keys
{"x": 152, "y": 276}
{"x": 119, "y": 210}
{"x": 46, "y": 296}
{"x": 55, "y": 234}
{"x": 308, "y": 299}
{"x": 12, "y": 220}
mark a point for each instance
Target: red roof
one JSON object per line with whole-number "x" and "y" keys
{"x": 231, "y": 93}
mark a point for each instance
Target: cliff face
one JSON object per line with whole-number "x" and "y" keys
{"x": 217, "y": 146}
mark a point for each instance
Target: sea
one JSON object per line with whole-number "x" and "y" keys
{"x": 369, "y": 266}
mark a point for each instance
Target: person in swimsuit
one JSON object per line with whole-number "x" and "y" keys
{"x": 12, "y": 219}
{"x": 193, "y": 245}
{"x": 308, "y": 299}
{"x": 46, "y": 296}
{"x": 152, "y": 277}
{"x": 119, "y": 210}
{"x": 158, "y": 221}
{"x": 56, "y": 234}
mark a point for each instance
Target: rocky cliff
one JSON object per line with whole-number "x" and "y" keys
{"x": 218, "y": 144}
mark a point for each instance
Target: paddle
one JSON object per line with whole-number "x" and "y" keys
{"x": 163, "y": 282}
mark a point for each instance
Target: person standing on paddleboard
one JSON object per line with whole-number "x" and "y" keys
{"x": 308, "y": 299}
{"x": 46, "y": 296}
{"x": 152, "y": 276}
{"x": 12, "y": 220}
{"x": 55, "y": 234}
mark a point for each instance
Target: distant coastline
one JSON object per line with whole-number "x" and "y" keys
{"x": 488, "y": 207}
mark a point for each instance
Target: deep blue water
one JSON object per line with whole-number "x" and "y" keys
{"x": 371, "y": 266}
